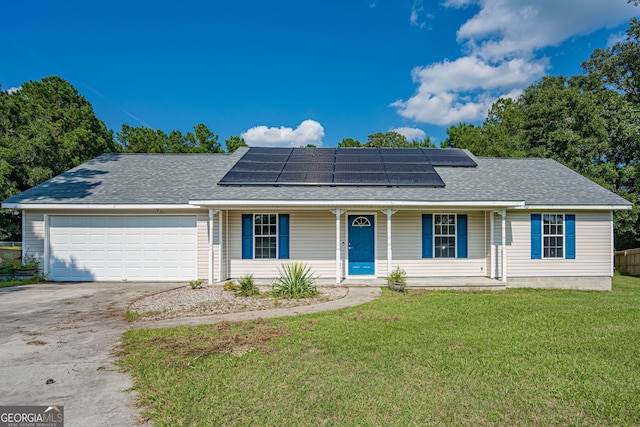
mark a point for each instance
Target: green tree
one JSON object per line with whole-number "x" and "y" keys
{"x": 389, "y": 139}
{"x": 140, "y": 139}
{"x": 46, "y": 128}
{"x": 619, "y": 65}
{"x": 233, "y": 143}
{"x": 422, "y": 143}
{"x": 349, "y": 143}
{"x": 202, "y": 140}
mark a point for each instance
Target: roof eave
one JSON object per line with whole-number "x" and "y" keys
{"x": 355, "y": 203}
{"x": 106, "y": 206}
{"x": 577, "y": 207}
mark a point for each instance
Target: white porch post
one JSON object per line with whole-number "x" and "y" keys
{"x": 493, "y": 245}
{"x": 338, "y": 212}
{"x": 389, "y": 213}
{"x": 220, "y": 260}
{"x": 212, "y": 212}
{"x": 503, "y": 214}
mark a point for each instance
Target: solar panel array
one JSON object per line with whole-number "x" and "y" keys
{"x": 345, "y": 166}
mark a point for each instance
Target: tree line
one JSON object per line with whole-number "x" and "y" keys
{"x": 588, "y": 122}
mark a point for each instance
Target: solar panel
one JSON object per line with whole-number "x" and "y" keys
{"x": 313, "y": 154}
{"x": 359, "y": 178}
{"x": 305, "y": 178}
{"x": 359, "y": 167}
{"x": 344, "y": 166}
{"x": 450, "y": 157}
{"x": 426, "y": 179}
{"x": 270, "y": 150}
{"x": 237, "y": 178}
{"x": 244, "y": 166}
{"x": 292, "y": 177}
{"x": 264, "y": 158}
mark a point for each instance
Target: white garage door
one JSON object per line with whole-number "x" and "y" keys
{"x": 144, "y": 248}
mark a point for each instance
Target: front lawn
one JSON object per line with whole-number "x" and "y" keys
{"x": 15, "y": 282}
{"x": 521, "y": 357}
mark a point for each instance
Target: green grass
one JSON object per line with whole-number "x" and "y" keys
{"x": 13, "y": 282}
{"x": 521, "y": 357}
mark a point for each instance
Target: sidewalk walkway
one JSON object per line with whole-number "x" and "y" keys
{"x": 355, "y": 296}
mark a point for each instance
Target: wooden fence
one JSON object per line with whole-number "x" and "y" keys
{"x": 628, "y": 262}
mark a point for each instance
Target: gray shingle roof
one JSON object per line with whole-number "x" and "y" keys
{"x": 179, "y": 178}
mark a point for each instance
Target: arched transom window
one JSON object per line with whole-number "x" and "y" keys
{"x": 361, "y": 221}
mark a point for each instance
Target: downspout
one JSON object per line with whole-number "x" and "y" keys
{"x": 226, "y": 244}
{"x": 220, "y": 260}
{"x": 22, "y": 226}
{"x": 47, "y": 249}
{"x": 503, "y": 214}
{"x": 493, "y": 245}
{"x": 612, "y": 245}
{"x": 485, "y": 241}
{"x": 210, "y": 275}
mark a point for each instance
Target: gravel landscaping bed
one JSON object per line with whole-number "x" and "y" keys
{"x": 211, "y": 300}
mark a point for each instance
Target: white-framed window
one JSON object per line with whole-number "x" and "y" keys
{"x": 265, "y": 236}
{"x": 444, "y": 235}
{"x": 553, "y": 235}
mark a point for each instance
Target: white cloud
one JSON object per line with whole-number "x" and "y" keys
{"x": 13, "y": 89}
{"x": 308, "y": 132}
{"x": 416, "y": 10}
{"x": 501, "y": 42}
{"x": 616, "y": 38}
{"x": 410, "y": 133}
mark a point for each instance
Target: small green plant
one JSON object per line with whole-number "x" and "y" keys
{"x": 296, "y": 281}
{"x": 196, "y": 283}
{"x": 397, "y": 279}
{"x": 247, "y": 288}
{"x": 230, "y": 286}
{"x": 132, "y": 316}
{"x": 29, "y": 262}
{"x": 7, "y": 265}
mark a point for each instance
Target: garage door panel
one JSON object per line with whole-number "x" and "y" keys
{"x": 123, "y": 248}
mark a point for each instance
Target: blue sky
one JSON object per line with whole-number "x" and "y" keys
{"x": 293, "y": 72}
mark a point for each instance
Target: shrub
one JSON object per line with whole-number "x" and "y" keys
{"x": 29, "y": 262}
{"x": 247, "y": 288}
{"x": 296, "y": 281}
{"x": 196, "y": 284}
{"x": 230, "y": 286}
{"x": 397, "y": 276}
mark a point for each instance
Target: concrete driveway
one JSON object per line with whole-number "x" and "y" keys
{"x": 68, "y": 333}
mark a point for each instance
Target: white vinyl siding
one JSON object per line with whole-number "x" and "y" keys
{"x": 203, "y": 245}
{"x": 312, "y": 240}
{"x": 33, "y": 237}
{"x": 593, "y": 247}
{"x": 406, "y": 238}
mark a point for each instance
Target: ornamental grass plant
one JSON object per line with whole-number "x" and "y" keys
{"x": 295, "y": 280}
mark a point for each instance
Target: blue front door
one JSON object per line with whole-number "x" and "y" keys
{"x": 361, "y": 245}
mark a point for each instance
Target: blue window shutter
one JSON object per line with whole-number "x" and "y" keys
{"x": 536, "y": 236}
{"x": 462, "y": 236}
{"x": 247, "y": 236}
{"x": 427, "y": 236}
{"x": 283, "y": 236}
{"x": 570, "y": 235}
